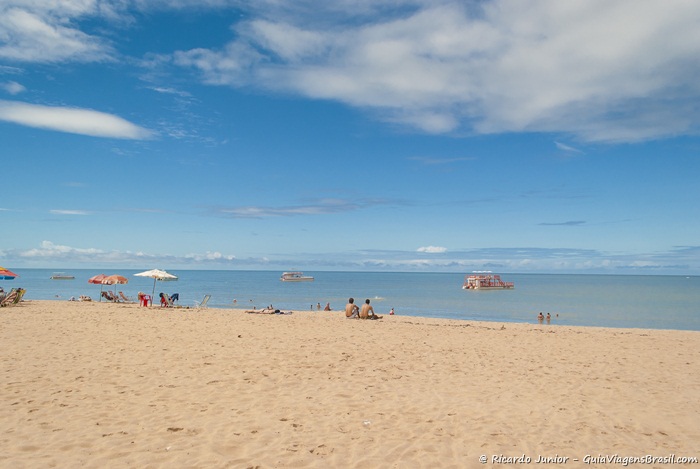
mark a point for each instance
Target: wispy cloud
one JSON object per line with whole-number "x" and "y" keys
{"x": 69, "y": 212}
{"x": 71, "y": 120}
{"x": 435, "y": 161}
{"x": 567, "y": 148}
{"x": 320, "y": 207}
{"x": 12, "y": 87}
{"x": 564, "y": 223}
{"x": 173, "y": 91}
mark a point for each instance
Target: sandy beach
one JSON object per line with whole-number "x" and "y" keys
{"x": 97, "y": 385}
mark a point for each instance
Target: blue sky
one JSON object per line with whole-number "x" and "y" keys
{"x": 514, "y": 136}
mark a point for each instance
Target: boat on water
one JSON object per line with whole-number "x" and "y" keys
{"x": 296, "y": 277}
{"x": 61, "y": 276}
{"x": 485, "y": 281}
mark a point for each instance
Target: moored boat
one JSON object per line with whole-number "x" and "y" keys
{"x": 486, "y": 281}
{"x": 296, "y": 277}
{"x": 61, "y": 276}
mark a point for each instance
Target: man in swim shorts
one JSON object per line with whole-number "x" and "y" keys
{"x": 367, "y": 311}
{"x": 351, "y": 309}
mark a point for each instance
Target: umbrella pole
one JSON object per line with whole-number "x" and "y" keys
{"x": 153, "y": 293}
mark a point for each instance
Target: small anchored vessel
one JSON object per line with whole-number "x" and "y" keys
{"x": 62, "y": 276}
{"x": 485, "y": 281}
{"x": 296, "y": 277}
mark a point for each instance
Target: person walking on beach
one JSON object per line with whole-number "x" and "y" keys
{"x": 351, "y": 309}
{"x": 366, "y": 310}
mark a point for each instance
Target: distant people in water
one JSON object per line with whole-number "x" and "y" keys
{"x": 549, "y": 318}
{"x": 367, "y": 311}
{"x": 540, "y": 317}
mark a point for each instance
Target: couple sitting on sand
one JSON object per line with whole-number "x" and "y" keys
{"x": 367, "y": 312}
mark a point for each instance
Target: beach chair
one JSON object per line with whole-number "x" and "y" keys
{"x": 20, "y": 295}
{"x": 165, "y": 300}
{"x": 125, "y": 298}
{"x": 14, "y": 297}
{"x": 108, "y": 296}
{"x": 9, "y": 298}
{"x": 168, "y": 300}
{"x": 202, "y": 304}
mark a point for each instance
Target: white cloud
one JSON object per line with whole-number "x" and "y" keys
{"x": 48, "y": 252}
{"x": 600, "y": 70}
{"x": 48, "y": 249}
{"x": 621, "y": 71}
{"x": 41, "y": 32}
{"x": 210, "y": 256}
{"x": 72, "y": 120}
{"x": 432, "y": 249}
{"x": 679, "y": 260}
{"x": 12, "y": 87}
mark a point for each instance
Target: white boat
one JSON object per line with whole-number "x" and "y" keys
{"x": 296, "y": 277}
{"x": 61, "y": 276}
{"x": 485, "y": 281}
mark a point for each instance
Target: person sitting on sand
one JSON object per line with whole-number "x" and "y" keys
{"x": 328, "y": 307}
{"x": 367, "y": 311}
{"x": 351, "y": 309}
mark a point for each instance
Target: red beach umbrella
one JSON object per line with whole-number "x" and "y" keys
{"x": 114, "y": 280}
{"x": 97, "y": 280}
{"x": 6, "y": 274}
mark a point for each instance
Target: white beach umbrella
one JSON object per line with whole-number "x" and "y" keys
{"x": 156, "y": 274}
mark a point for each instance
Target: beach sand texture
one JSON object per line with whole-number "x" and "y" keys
{"x": 96, "y": 385}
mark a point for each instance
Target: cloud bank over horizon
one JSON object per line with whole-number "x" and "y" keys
{"x": 510, "y": 260}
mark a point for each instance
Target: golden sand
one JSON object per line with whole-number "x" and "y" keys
{"x": 96, "y": 385}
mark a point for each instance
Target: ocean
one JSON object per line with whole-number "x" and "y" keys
{"x": 650, "y": 302}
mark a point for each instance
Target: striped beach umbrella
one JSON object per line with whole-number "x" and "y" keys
{"x": 6, "y": 274}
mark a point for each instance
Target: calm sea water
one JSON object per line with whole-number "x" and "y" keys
{"x": 657, "y": 302}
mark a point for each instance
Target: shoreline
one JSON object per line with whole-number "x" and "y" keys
{"x": 100, "y": 384}
{"x": 214, "y": 307}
